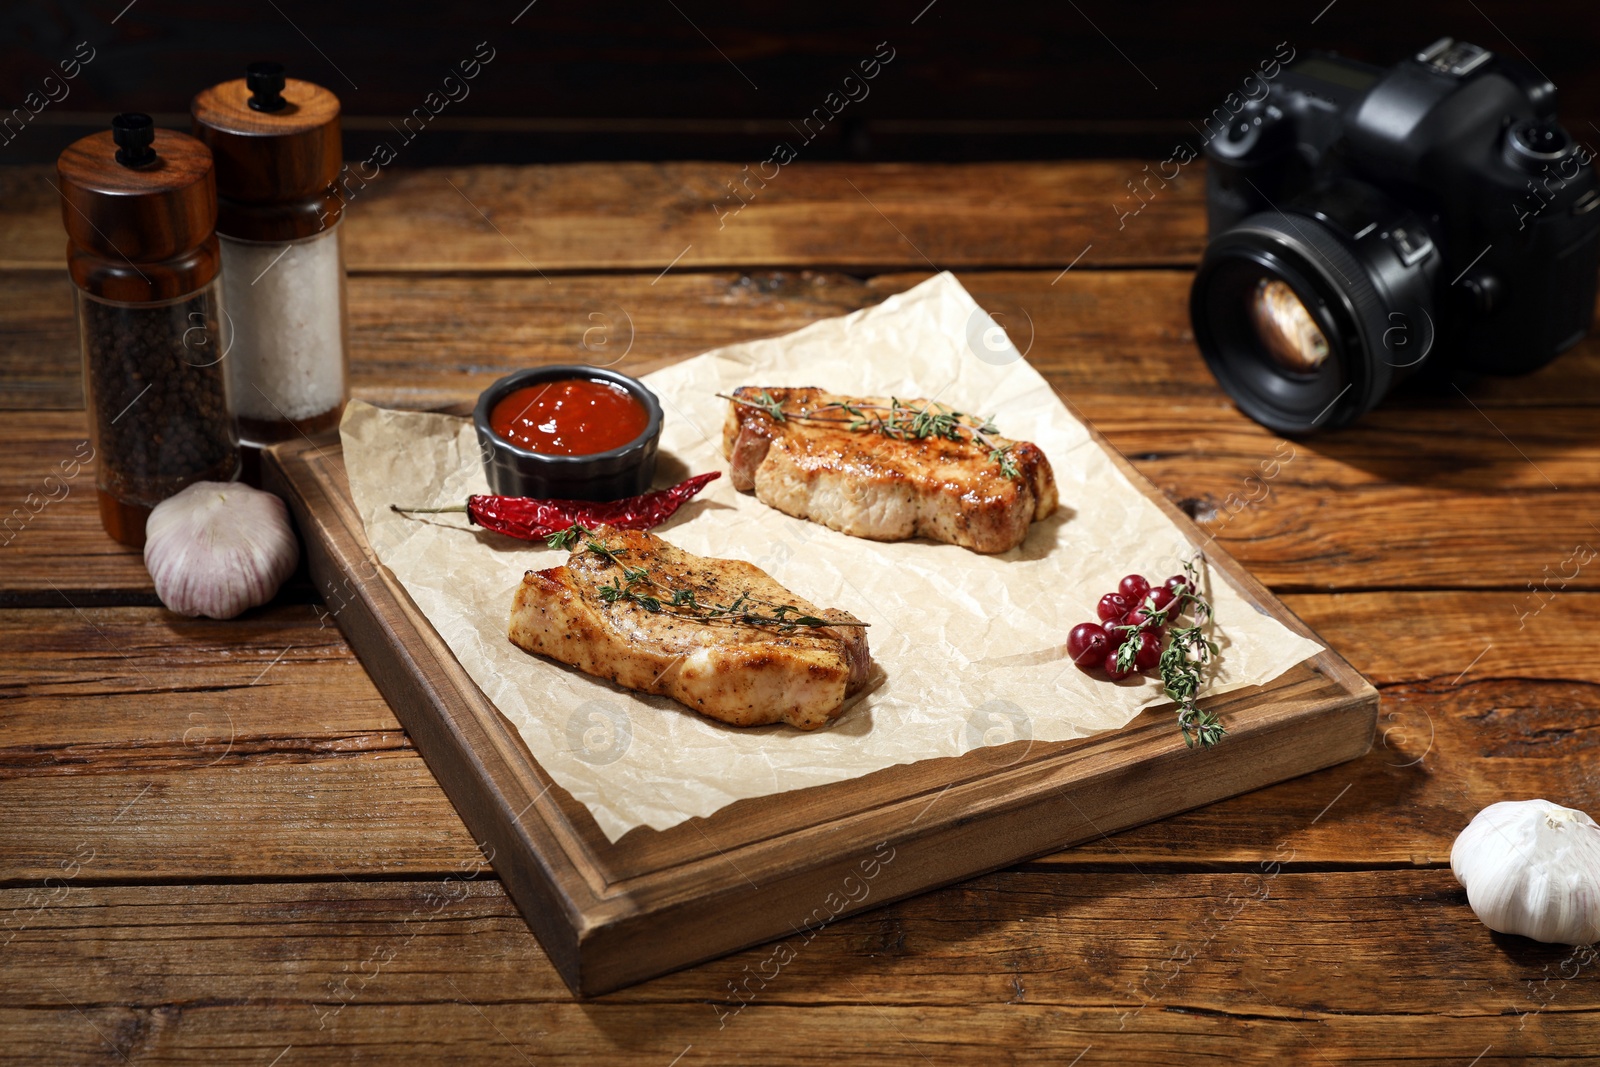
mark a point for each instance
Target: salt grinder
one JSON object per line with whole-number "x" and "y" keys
{"x": 139, "y": 206}
{"x": 277, "y": 148}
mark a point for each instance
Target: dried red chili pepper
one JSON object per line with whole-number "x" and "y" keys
{"x": 530, "y": 519}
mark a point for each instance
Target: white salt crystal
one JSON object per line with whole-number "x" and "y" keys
{"x": 286, "y": 360}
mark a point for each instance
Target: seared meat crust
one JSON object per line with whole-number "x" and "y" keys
{"x": 746, "y": 675}
{"x": 869, "y": 484}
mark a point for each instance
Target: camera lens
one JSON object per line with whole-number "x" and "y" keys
{"x": 1285, "y": 328}
{"x": 1307, "y": 327}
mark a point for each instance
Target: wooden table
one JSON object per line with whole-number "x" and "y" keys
{"x": 218, "y": 846}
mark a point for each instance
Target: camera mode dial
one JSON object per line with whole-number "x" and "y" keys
{"x": 1252, "y": 132}
{"x": 1533, "y": 146}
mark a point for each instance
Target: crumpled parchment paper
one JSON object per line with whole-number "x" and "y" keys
{"x": 971, "y": 647}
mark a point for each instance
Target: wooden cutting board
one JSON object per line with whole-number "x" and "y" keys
{"x": 780, "y": 867}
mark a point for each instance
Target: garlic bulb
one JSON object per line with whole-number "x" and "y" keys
{"x": 218, "y": 548}
{"x": 1531, "y": 867}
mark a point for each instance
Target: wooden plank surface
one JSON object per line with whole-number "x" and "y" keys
{"x": 611, "y": 913}
{"x": 1300, "y": 515}
{"x": 1252, "y": 965}
{"x": 1419, "y": 539}
{"x": 1107, "y": 339}
{"x": 620, "y": 216}
{"x": 366, "y": 804}
{"x": 512, "y": 1033}
{"x": 267, "y": 726}
{"x": 1432, "y": 468}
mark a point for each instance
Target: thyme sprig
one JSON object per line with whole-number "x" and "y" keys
{"x": 568, "y": 537}
{"x": 1182, "y": 662}
{"x": 636, "y": 585}
{"x": 900, "y": 421}
{"x": 903, "y": 421}
{"x": 772, "y": 407}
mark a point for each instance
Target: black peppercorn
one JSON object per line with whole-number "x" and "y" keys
{"x": 156, "y": 388}
{"x": 139, "y": 205}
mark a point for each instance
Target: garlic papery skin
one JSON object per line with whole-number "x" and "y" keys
{"x": 219, "y": 548}
{"x": 1531, "y": 867}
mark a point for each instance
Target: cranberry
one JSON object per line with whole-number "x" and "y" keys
{"x": 1088, "y": 644}
{"x": 1179, "y": 583}
{"x": 1112, "y": 669}
{"x": 1134, "y": 587}
{"x": 1159, "y": 598}
{"x": 1140, "y": 617}
{"x": 1149, "y": 651}
{"x": 1117, "y": 630}
{"x": 1113, "y": 606}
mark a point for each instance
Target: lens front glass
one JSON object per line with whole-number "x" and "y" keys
{"x": 1305, "y": 325}
{"x": 1272, "y": 336}
{"x": 1286, "y": 330}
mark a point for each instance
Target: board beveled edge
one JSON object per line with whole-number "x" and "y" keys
{"x": 1063, "y": 808}
{"x": 601, "y": 940}
{"x": 535, "y": 870}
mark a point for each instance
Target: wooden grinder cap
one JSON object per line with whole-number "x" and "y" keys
{"x": 277, "y": 146}
{"x": 139, "y": 205}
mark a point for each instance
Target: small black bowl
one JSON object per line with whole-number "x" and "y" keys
{"x": 517, "y": 471}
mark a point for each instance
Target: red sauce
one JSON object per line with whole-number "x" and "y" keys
{"x": 570, "y": 417}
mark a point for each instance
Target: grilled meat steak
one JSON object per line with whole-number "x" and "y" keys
{"x": 910, "y": 468}
{"x": 717, "y": 635}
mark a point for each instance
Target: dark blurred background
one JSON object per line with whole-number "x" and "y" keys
{"x": 710, "y": 79}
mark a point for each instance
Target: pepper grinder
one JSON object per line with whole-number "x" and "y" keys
{"x": 139, "y": 205}
{"x": 277, "y": 148}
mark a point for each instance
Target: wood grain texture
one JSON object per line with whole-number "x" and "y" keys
{"x": 944, "y": 947}
{"x": 643, "y": 216}
{"x": 54, "y": 548}
{"x": 1432, "y": 470}
{"x": 139, "y": 233}
{"x": 1108, "y": 339}
{"x": 1461, "y": 636}
{"x": 275, "y": 168}
{"x": 66, "y": 667}
{"x": 118, "y": 699}
{"x": 41, "y": 365}
{"x": 82, "y": 683}
{"x": 508, "y": 1033}
{"x": 611, "y": 913}
{"x": 1403, "y": 501}
{"x": 1007, "y": 968}
{"x": 364, "y": 804}
{"x": 296, "y": 771}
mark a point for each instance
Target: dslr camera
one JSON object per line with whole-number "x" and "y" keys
{"x": 1365, "y": 222}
